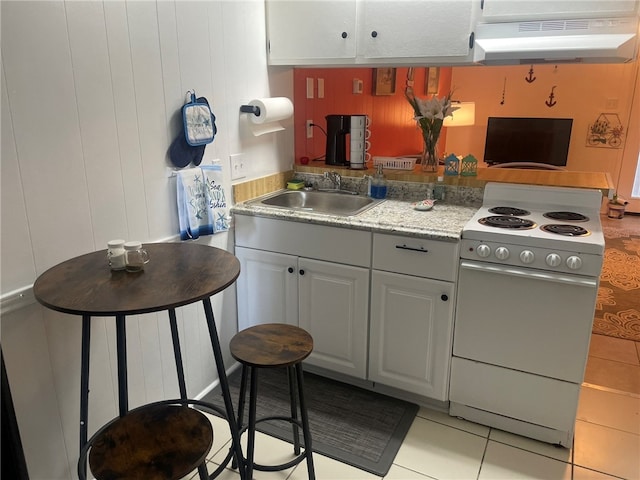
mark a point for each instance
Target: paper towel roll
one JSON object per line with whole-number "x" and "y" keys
{"x": 272, "y": 110}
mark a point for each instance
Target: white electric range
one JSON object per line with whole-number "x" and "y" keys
{"x": 529, "y": 271}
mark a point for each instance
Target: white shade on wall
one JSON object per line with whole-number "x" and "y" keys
{"x": 464, "y": 116}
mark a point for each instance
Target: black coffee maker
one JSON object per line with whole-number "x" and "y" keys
{"x": 338, "y": 126}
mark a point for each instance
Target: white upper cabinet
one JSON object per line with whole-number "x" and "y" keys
{"x": 307, "y": 32}
{"x": 361, "y": 32}
{"x": 516, "y": 10}
{"x": 415, "y": 29}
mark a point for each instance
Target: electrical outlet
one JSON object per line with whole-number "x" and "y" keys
{"x": 309, "y": 129}
{"x": 238, "y": 166}
{"x": 357, "y": 86}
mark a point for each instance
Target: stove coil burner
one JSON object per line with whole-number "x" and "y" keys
{"x": 566, "y": 230}
{"x": 504, "y": 221}
{"x": 566, "y": 216}
{"x": 516, "y": 212}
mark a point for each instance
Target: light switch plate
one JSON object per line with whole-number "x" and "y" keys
{"x": 238, "y": 166}
{"x": 309, "y": 87}
{"x": 321, "y": 88}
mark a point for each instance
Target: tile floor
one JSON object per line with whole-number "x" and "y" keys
{"x": 606, "y": 443}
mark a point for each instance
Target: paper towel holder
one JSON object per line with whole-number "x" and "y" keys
{"x": 250, "y": 109}
{"x": 264, "y": 114}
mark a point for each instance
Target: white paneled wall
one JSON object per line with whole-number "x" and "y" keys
{"x": 91, "y": 93}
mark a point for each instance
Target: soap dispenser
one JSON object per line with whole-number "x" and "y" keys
{"x": 378, "y": 184}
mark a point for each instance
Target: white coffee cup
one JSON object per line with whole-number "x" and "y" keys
{"x": 359, "y": 157}
{"x": 360, "y": 134}
{"x": 360, "y": 145}
{"x": 360, "y": 121}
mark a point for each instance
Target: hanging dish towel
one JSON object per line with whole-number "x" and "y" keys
{"x": 218, "y": 207}
{"x": 202, "y": 204}
{"x": 193, "y": 206}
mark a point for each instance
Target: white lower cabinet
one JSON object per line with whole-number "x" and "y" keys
{"x": 392, "y": 324}
{"x": 410, "y": 333}
{"x": 411, "y": 325}
{"x": 267, "y": 288}
{"x": 329, "y": 299}
{"x": 333, "y": 308}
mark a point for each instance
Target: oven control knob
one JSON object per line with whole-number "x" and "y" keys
{"x": 553, "y": 260}
{"x": 502, "y": 253}
{"x": 574, "y": 263}
{"x": 483, "y": 250}
{"x": 527, "y": 256}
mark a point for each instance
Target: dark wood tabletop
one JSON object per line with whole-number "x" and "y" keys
{"x": 177, "y": 274}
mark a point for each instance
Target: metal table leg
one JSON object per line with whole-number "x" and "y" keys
{"x": 177, "y": 353}
{"x": 121, "y": 343}
{"x": 224, "y": 386}
{"x": 84, "y": 382}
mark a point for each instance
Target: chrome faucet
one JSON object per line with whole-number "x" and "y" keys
{"x": 335, "y": 178}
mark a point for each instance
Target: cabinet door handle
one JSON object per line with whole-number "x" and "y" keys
{"x": 444, "y": 297}
{"x": 301, "y": 272}
{"x": 344, "y": 35}
{"x": 374, "y": 34}
{"x": 413, "y": 249}
{"x": 290, "y": 269}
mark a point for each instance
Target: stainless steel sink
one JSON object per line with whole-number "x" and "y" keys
{"x": 334, "y": 203}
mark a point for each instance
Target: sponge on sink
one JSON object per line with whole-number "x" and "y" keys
{"x": 295, "y": 184}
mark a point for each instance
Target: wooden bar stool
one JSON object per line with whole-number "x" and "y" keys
{"x": 154, "y": 442}
{"x": 274, "y": 345}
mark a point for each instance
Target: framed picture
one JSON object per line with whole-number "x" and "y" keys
{"x": 384, "y": 81}
{"x": 431, "y": 80}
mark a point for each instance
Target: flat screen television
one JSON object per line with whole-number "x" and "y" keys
{"x": 531, "y": 140}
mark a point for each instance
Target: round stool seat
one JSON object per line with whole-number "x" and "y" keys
{"x": 152, "y": 442}
{"x": 271, "y": 345}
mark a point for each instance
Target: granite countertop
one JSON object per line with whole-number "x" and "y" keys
{"x": 443, "y": 222}
{"x": 559, "y": 178}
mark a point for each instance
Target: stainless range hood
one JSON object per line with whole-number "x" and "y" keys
{"x": 609, "y": 40}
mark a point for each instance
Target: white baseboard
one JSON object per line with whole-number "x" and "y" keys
{"x": 216, "y": 382}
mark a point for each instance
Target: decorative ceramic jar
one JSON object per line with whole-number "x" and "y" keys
{"x": 469, "y": 167}
{"x": 451, "y": 165}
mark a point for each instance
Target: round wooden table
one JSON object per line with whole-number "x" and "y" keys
{"x": 177, "y": 274}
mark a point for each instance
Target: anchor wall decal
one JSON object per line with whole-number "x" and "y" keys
{"x": 530, "y": 78}
{"x": 551, "y": 102}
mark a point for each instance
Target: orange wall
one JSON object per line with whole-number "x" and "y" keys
{"x": 393, "y": 130}
{"x": 582, "y": 92}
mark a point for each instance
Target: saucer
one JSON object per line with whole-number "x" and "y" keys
{"x": 423, "y": 205}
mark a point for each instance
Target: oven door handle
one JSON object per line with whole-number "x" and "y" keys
{"x": 532, "y": 274}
